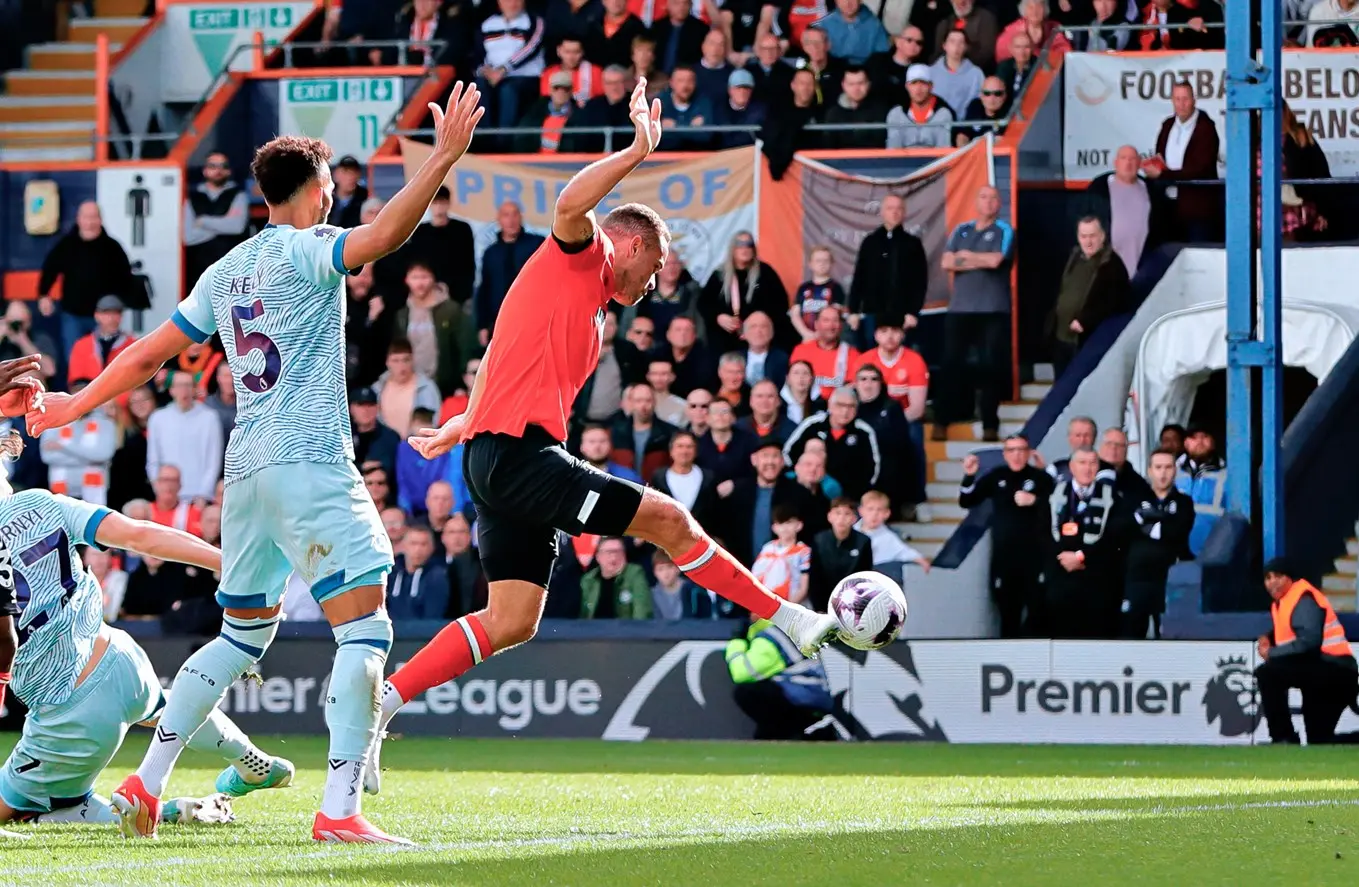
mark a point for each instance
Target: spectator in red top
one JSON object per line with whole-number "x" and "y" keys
{"x": 93, "y": 352}
{"x": 904, "y": 371}
{"x": 831, "y": 359}
{"x": 456, "y": 403}
{"x": 587, "y": 78}
{"x": 1033, "y": 20}
{"x": 640, "y": 440}
{"x": 168, "y": 510}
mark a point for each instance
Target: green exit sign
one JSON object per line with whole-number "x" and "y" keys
{"x": 313, "y": 90}
{"x": 224, "y": 18}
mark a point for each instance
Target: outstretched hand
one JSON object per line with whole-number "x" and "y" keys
{"x": 454, "y": 126}
{"x": 646, "y": 119}
{"x": 52, "y": 410}
{"x": 23, "y": 395}
{"x": 433, "y": 442}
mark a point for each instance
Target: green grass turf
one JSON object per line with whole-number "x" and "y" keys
{"x": 524, "y": 812}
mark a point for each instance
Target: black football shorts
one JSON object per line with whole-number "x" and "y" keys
{"x": 525, "y": 489}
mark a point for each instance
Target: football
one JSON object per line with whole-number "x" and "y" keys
{"x": 871, "y": 609}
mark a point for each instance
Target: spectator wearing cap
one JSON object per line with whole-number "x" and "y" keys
{"x": 500, "y": 265}
{"x": 445, "y": 245}
{"x": 610, "y": 109}
{"x": 766, "y": 419}
{"x": 90, "y": 265}
{"x": 640, "y": 440}
{"x": 773, "y": 76}
{"x": 740, "y": 110}
{"x": 853, "y": 456}
{"x": 401, "y": 390}
{"x": 1327, "y": 12}
{"x": 187, "y": 435}
{"x": 854, "y": 32}
{"x": 1306, "y": 650}
{"x": 888, "y": 70}
{"x": 509, "y": 60}
{"x": 926, "y": 121}
{"x": 548, "y": 115}
{"x": 978, "y": 255}
{"x": 215, "y": 216}
{"x": 855, "y": 106}
{"x": 586, "y": 76}
{"x": 891, "y": 273}
{"x": 683, "y": 108}
{"x": 750, "y": 501}
{"x": 373, "y": 441}
{"x": 679, "y": 36}
{"x": 713, "y": 69}
{"x": 986, "y": 112}
{"x": 93, "y": 352}
{"x": 954, "y": 78}
{"x": 78, "y": 455}
{"x": 349, "y": 196}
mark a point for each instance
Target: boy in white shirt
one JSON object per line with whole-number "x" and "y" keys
{"x": 784, "y": 562}
{"x": 888, "y": 547}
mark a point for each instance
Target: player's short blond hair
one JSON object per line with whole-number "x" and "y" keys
{"x": 637, "y": 220}
{"x": 876, "y": 496}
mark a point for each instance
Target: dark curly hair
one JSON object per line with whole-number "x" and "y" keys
{"x": 284, "y": 165}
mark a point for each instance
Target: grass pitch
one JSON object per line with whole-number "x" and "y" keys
{"x": 524, "y": 812}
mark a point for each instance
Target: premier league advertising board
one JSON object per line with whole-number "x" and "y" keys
{"x": 1183, "y": 692}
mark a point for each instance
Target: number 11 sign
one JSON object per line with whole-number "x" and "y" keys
{"x": 348, "y": 112}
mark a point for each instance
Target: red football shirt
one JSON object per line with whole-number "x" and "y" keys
{"x": 833, "y": 367}
{"x": 547, "y": 340}
{"x": 906, "y": 372}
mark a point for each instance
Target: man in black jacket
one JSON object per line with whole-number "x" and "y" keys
{"x": 891, "y": 273}
{"x": 1160, "y": 532}
{"x": 90, "y": 264}
{"x": 751, "y": 501}
{"x": 500, "y": 265}
{"x": 1084, "y": 559}
{"x": 853, "y": 456}
{"x": 836, "y": 553}
{"x": 446, "y": 245}
{"x": 1017, "y": 492}
{"x": 679, "y": 36}
{"x": 607, "y": 110}
{"x": 854, "y": 105}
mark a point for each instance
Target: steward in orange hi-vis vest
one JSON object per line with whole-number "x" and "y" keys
{"x": 1307, "y": 650}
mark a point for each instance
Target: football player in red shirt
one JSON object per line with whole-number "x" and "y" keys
{"x": 525, "y": 485}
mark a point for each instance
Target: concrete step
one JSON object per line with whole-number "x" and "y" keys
{"x": 941, "y": 492}
{"x": 10, "y": 154}
{"x": 49, "y": 83}
{"x": 959, "y": 449}
{"x": 1006, "y": 428}
{"x": 946, "y": 510}
{"x": 1347, "y": 566}
{"x": 1035, "y": 391}
{"x": 1352, "y": 546}
{"x": 119, "y": 29}
{"x": 64, "y": 56}
{"x": 1019, "y": 412}
{"x": 938, "y": 531}
{"x": 47, "y": 134}
{"x": 1044, "y": 372}
{"x": 948, "y": 472}
{"x": 1339, "y": 584}
{"x": 35, "y": 109}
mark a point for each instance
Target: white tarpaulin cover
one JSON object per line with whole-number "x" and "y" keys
{"x": 1179, "y": 351}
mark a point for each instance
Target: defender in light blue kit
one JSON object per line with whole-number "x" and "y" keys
{"x": 85, "y": 682}
{"x": 294, "y": 500}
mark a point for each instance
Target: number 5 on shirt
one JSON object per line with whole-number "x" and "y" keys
{"x": 256, "y": 341}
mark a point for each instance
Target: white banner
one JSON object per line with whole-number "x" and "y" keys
{"x": 142, "y": 210}
{"x": 1085, "y": 692}
{"x": 201, "y": 39}
{"x": 365, "y": 106}
{"x": 1114, "y": 100}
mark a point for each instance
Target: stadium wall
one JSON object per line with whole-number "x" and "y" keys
{"x": 1098, "y": 692}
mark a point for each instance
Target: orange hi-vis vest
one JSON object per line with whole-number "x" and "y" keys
{"x": 1333, "y": 641}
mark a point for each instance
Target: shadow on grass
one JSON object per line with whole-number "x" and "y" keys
{"x": 1202, "y": 848}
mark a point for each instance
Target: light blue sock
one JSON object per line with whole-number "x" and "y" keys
{"x": 199, "y": 686}
{"x": 352, "y": 707}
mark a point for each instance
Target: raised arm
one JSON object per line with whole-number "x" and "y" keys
{"x": 573, "y": 221}
{"x": 132, "y": 368}
{"x": 398, "y": 219}
{"x": 154, "y": 540}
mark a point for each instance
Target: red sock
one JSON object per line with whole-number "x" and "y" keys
{"x": 712, "y": 567}
{"x": 455, "y": 649}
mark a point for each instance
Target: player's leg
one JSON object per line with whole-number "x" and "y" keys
{"x": 332, "y": 534}
{"x": 254, "y": 577}
{"x": 667, "y": 524}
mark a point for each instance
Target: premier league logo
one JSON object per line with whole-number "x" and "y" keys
{"x": 1230, "y": 700}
